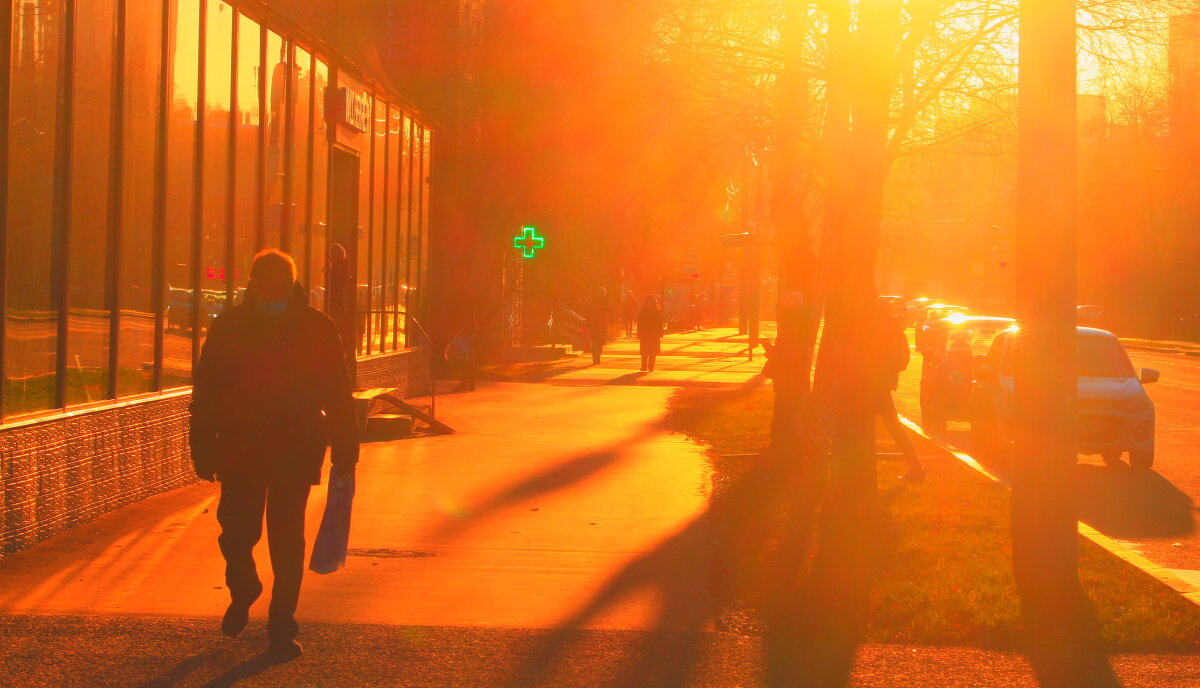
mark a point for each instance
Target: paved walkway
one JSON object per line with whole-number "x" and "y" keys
{"x": 555, "y": 507}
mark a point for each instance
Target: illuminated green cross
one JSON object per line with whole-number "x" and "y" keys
{"x": 529, "y": 241}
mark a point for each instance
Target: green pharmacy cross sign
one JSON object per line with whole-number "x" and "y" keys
{"x": 529, "y": 242}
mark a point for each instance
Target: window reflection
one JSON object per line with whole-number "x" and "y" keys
{"x": 181, "y": 131}
{"x": 423, "y": 278}
{"x": 246, "y": 185}
{"x": 140, "y": 138}
{"x": 88, "y": 307}
{"x": 320, "y": 175}
{"x": 31, "y": 318}
{"x": 362, "y": 264}
{"x": 391, "y": 281}
{"x": 214, "y": 211}
{"x": 276, "y": 110}
{"x": 301, "y": 88}
{"x": 379, "y": 218}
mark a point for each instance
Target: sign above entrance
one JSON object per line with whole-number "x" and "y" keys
{"x": 355, "y": 109}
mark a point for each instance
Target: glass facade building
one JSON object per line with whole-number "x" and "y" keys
{"x": 151, "y": 148}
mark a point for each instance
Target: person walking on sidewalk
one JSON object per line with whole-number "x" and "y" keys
{"x": 891, "y": 358}
{"x": 650, "y": 332}
{"x": 599, "y": 314}
{"x": 271, "y": 392}
{"x": 629, "y": 313}
{"x": 461, "y": 358}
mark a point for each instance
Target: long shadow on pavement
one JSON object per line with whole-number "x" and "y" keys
{"x": 1125, "y": 503}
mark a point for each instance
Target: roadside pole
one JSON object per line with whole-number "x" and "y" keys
{"x": 1045, "y": 535}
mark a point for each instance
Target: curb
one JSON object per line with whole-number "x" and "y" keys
{"x": 1160, "y": 350}
{"x": 1160, "y": 573}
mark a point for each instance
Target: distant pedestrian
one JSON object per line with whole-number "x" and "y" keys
{"x": 891, "y": 356}
{"x": 599, "y": 315}
{"x": 650, "y": 332}
{"x": 629, "y": 312}
{"x": 461, "y": 358}
{"x": 342, "y": 297}
{"x": 271, "y": 392}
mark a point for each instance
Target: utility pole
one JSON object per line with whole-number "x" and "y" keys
{"x": 1045, "y": 534}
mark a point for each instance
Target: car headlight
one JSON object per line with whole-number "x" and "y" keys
{"x": 1134, "y": 404}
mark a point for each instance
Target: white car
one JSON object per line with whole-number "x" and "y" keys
{"x": 1115, "y": 414}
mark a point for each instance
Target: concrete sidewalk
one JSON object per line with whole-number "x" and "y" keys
{"x": 562, "y": 527}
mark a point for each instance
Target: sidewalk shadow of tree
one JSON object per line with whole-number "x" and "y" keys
{"x": 565, "y": 474}
{"x": 813, "y": 601}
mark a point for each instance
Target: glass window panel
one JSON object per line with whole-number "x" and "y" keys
{"x": 423, "y": 282}
{"x": 88, "y": 310}
{"x": 214, "y": 212}
{"x": 143, "y": 50}
{"x": 363, "y": 275}
{"x": 379, "y": 217}
{"x": 320, "y": 176}
{"x": 181, "y": 146}
{"x": 245, "y": 222}
{"x": 410, "y": 230}
{"x": 302, "y": 131}
{"x": 392, "y": 283}
{"x": 31, "y": 318}
{"x": 276, "y": 114}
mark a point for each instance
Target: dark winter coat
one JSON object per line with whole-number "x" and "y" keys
{"x": 650, "y": 324}
{"x": 270, "y": 394}
{"x": 598, "y": 315}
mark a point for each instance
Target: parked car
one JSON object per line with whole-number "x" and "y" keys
{"x": 925, "y": 316}
{"x": 1115, "y": 414}
{"x": 949, "y": 350}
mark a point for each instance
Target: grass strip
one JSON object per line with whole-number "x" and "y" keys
{"x": 950, "y": 581}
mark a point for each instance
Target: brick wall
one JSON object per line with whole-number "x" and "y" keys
{"x": 65, "y": 470}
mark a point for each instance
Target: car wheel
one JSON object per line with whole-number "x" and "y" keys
{"x": 1141, "y": 459}
{"x": 1112, "y": 459}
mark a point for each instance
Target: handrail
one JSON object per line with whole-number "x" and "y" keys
{"x": 432, "y": 362}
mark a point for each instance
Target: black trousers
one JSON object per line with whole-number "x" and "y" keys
{"x": 240, "y": 514}
{"x": 597, "y": 348}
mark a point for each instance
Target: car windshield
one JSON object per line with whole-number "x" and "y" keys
{"x": 1102, "y": 357}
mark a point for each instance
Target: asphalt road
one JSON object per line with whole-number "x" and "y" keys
{"x": 1153, "y": 513}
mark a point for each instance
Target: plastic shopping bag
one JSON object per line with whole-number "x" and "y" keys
{"x": 329, "y": 551}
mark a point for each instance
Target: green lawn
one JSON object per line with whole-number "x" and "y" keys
{"x": 950, "y": 579}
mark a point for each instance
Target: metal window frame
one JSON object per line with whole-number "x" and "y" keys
{"x": 198, "y": 180}
{"x": 158, "y": 259}
{"x": 60, "y": 218}
{"x": 310, "y": 145}
{"x": 231, "y": 159}
{"x": 260, "y": 183}
{"x": 116, "y": 191}
{"x": 6, "y": 25}
{"x": 383, "y": 228}
{"x": 369, "y": 334}
{"x": 288, "y": 154}
{"x": 400, "y": 237}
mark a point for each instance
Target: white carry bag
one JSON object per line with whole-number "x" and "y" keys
{"x": 329, "y": 551}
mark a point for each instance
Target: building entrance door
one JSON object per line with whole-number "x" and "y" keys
{"x": 345, "y": 292}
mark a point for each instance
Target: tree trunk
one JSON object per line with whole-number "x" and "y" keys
{"x": 1045, "y": 536}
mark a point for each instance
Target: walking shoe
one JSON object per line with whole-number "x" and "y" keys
{"x": 283, "y": 650}
{"x": 236, "y": 618}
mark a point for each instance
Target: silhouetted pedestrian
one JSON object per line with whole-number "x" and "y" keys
{"x": 271, "y": 392}
{"x": 342, "y": 297}
{"x": 891, "y": 357}
{"x": 599, "y": 315}
{"x": 629, "y": 312}
{"x": 459, "y": 355}
{"x": 650, "y": 332}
